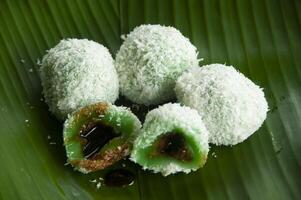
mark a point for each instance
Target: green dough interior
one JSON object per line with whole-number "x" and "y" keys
{"x": 153, "y": 157}
{"x": 121, "y": 123}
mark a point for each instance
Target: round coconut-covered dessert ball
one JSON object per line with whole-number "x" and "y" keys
{"x": 99, "y": 135}
{"x": 173, "y": 139}
{"x": 150, "y": 60}
{"x": 76, "y": 73}
{"x": 232, "y": 106}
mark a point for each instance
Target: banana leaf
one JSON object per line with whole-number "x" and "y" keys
{"x": 261, "y": 38}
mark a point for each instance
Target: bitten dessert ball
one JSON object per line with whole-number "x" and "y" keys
{"x": 232, "y": 106}
{"x": 76, "y": 73}
{"x": 99, "y": 135}
{"x": 173, "y": 139}
{"x": 150, "y": 60}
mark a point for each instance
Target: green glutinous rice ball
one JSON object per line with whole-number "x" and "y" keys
{"x": 150, "y": 60}
{"x": 99, "y": 135}
{"x": 232, "y": 106}
{"x": 76, "y": 73}
{"x": 173, "y": 139}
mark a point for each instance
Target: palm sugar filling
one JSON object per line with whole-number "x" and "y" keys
{"x": 173, "y": 144}
{"x": 94, "y": 137}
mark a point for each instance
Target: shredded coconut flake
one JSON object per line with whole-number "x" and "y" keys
{"x": 39, "y": 62}
{"x": 213, "y": 154}
{"x": 98, "y": 185}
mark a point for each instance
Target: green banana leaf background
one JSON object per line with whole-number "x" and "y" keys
{"x": 261, "y": 38}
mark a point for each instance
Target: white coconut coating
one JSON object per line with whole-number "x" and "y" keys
{"x": 163, "y": 120}
{"x": 150, "y": 60}
{"x": 76, "y": 73}
{"x": 232, "y": 106}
